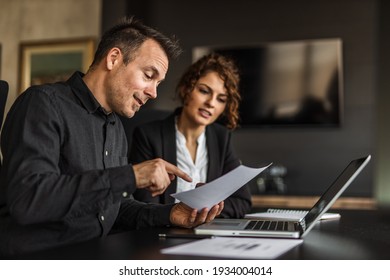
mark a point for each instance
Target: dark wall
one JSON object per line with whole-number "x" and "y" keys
{"x": 112, "y": 11}
{"x": 382, "y": 174}
{"x": 312, "y": 156}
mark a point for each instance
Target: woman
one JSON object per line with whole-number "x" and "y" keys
{"x": 191, "y": 139}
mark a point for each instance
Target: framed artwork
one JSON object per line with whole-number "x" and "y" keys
{"x": 53, "y": 61}
{"x": 0, "y": 61}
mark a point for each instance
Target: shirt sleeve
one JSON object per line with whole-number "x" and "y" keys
{"x": 141, "y": 150}
{"x": 37, "y": 190}
{"x": 134, "y": 214}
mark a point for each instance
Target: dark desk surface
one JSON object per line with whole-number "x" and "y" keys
{"x": 359, "y": 234}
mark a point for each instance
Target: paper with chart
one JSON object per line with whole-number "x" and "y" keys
{"x": 233, "y": 247}
{"x": 219, "y": 189}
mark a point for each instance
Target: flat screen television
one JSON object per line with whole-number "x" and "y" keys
{"x": 289, "y": 83}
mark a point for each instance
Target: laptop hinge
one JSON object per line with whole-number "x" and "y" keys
{"x": 302, "y": 222}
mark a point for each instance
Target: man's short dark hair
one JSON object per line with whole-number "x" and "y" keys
{"x": 128, "y": 35}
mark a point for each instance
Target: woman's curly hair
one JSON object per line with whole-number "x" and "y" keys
{"x": 227, "y": 70}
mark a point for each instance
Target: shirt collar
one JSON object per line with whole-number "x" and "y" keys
{"x": 83, "y": 93}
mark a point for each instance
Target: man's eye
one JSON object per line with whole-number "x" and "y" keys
{"x": 148, "y": 77}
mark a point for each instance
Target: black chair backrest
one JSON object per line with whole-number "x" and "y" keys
{"x": 3, "y": 99}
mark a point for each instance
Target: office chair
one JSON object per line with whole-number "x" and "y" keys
{"x": 3, "y": 100}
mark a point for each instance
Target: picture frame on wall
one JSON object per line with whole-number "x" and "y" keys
{"x": 53, "y": 61}
{"x": 0, "y": 61}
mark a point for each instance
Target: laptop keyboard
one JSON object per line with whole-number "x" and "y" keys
{"x": 267, "y": 225}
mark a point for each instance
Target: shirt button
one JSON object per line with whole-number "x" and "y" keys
{"x": 102, "y": 218}
{"x": 106, "y": 153}
{"x": 124, "y": 194}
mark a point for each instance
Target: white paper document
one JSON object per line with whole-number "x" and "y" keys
{"x": 237, "y": 248}
{"x": 219, "y": 189}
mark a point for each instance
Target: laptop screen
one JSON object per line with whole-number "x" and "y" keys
{"x": 335, "y": 190}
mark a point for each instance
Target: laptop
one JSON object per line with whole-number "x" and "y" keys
{"x": 286, "y": 229}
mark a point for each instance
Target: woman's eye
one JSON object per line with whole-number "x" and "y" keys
{"x": 205, "y": 91}
{"x": 222, "y": 100}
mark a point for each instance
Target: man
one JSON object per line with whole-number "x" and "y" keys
{"x": 65, "y": 175}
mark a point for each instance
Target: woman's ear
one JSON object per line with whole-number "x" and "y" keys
{"x": 186, "y": 96}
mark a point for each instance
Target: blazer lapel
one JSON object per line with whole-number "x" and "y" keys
{"x": 169, "y": 152}
{"x": 213, "y": 153}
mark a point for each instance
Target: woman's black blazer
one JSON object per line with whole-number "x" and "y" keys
{"x": 157, "y": 139}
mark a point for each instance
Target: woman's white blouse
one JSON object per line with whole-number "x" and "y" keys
{"x": 198, "y": 169}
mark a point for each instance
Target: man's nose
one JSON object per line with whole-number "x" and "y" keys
{"x": 151, "y": 91}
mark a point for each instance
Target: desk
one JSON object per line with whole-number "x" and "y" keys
{"x": 306, "y": 202}
{"x": 359, "y": 234}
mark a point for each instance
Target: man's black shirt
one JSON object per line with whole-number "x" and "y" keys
{"x": 65, "y": 175}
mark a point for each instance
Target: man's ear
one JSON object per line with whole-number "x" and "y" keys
{"x": 113, "y": 57}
